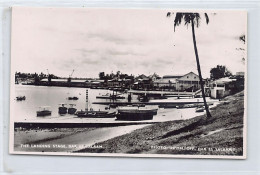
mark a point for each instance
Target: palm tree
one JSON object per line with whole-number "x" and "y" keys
{"x": 194, "y": 20}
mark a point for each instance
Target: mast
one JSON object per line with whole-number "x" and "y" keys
{"x": 86, "y": 100}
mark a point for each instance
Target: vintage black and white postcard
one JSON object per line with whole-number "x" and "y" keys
{"x": 128, "y": 82}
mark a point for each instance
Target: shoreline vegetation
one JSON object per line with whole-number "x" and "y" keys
{"x": 222, "y": 134}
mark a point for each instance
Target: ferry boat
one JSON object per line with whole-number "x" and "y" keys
{"x": 135, "y": 113}
{"x": 43, "y": 111}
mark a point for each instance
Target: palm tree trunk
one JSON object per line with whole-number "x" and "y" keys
{"x": 199, "y": 71}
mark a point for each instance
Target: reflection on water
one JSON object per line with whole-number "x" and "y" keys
{"x": 37, "y": 96}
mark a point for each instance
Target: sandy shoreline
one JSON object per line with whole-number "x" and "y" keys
{"x": 66, "y": 139}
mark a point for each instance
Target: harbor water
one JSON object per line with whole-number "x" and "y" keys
{"x": 36, "y": 96}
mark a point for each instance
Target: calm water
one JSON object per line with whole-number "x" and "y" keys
{"x": 37, "y": 96}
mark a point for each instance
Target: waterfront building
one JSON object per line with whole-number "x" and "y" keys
{"x": 222, "y": 87}
{"x": 227, "y": 85}
{"x": 188, "y": 82}
{"x": 154, "y": 77}
{"x": 77, "y": 83}
{"x": 143, "y": 82}
{"x": 73, "y": 82}
{"x": 115, "y": 82}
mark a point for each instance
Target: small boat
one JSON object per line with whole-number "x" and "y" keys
{"x": 43, "y": 111}
{"x": 72, "y": 109}
{"x": 135, "y": 113}
{"x": 20, "y": 98}
{"x": 62, "y": 109}
{"x": 73, "y": 98}
{"x": 95, "y": 114}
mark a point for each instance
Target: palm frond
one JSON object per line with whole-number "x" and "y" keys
{"x": 207, "y": 17}
{"x": 197, "y": 19}
{"x": 188, "y": 18}
{"x": 178, "y": 19}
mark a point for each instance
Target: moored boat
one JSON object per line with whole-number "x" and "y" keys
{"x": 73, "y": 98}
{"x": 72, "y": 109}
{"x": 90, "y": 113}
{"x": 43, "y": 111}
{"x": 95, "y": 114}
{"x": 109, "y": 96}
{"x": 62, "y": 109}
{"x": 20, "y": 98}
{"x": 135, "y": 113}
{"x": 167, "y": 106}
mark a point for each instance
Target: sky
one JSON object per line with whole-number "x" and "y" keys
{"x": 132, "y": 41}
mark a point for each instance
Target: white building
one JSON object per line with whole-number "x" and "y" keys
{"x": 219, "y": 88}
{"x": 189, "y": 80}
{"x": 179, "y": 82}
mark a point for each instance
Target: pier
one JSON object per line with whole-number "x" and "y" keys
{"x": 147, "y": 103}
{"x": 165, "y": 93}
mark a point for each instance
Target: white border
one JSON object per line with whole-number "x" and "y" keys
{"x": 12, "y": 105}
{"x": 17, "y": 163}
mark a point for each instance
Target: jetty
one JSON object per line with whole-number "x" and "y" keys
{"x": 148, "y": 103}
{"x": 165, "y": 93}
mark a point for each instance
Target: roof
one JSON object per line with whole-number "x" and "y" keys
{"x": 189, "y": 73}
{"x": 191, "y": 76}
{"x": 178, "y": 76}
{"x": 172, "y": 76}
{"x": 223, "y": 80}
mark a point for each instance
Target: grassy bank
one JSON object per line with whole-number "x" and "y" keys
{"x": 220, "y": 135}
